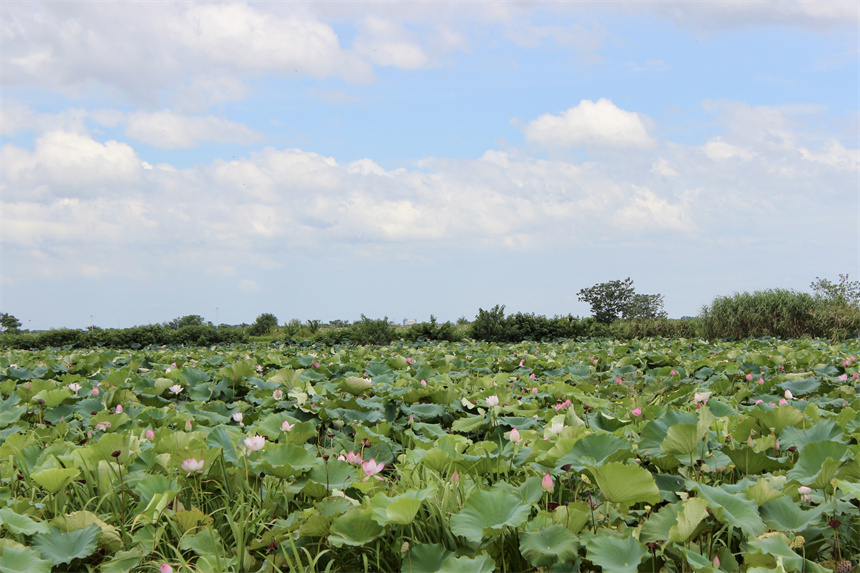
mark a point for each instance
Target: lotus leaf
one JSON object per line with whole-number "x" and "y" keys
{"x": 486, "y": 513}
{"x": 60, "y": 547}
{"x": 625, "y": 484}
{"x": 24, "y": 560}
{"x": 615, "y": 553}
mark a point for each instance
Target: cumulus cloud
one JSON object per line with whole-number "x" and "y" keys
{"x": 599, "y": 124}
{"x": 170, "y": 130}
{"x": 65, "y": 163}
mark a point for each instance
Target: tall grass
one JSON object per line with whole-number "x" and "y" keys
{"x": 779, "y": 313}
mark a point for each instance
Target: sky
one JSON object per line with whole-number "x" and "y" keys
{"x": 324, "y": 160}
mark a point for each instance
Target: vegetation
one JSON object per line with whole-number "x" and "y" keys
{"x": 654, "y": 455}
{"x": 265, "y": 324}
{"x": 781, "y": 313}
{"x": 9, "y": 323}
{"x": 614, "y": 299}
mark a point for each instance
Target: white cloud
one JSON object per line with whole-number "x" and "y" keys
{"x": 598, "y": 124}
{"x": 71, "y": 163}
{"x": 661, "y": 167}
{"x": 388, "y": 43}
{"x": 248, "y": 285}
{"x": 834, "y": 155}
{"x": 718, "y": 150}
{"x": 170, "y": 130}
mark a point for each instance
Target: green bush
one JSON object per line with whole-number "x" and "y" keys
{"x": 654, "y": 327}
{"x": 432, "y": 331}
{"x": 138, "y": 336}
{"x": 372, "y": 331}
{"x": 780, "y": 313}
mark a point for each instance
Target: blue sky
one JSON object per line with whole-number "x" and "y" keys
{"x": 327, "y": 160}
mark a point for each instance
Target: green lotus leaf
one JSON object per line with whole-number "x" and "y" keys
{"x": 655, "y": 431}
{"x": 480, "y": 564}
{"x": 783, "y": 514}
{"x": 822, "y": 430}
{"x": 751, "y": 462}
{"x": 693, "y": 511}
{"x": 656, "y": 528}
{"x": 595, "y": 450}
{"x": 205, "y": 542}
{"x": 548, "y": 546}
{"x": 25, "y": 560}
{"x": 59, "y": 547}
{"x": 734, "y": 509}
{"x": 486, "y": 513}
{"x": 625, "y": 484}
{"x": 54, "y": 397}
{"x": 468, "y": 424}
{"x": 21, "y": 524}
{"x": 697, "y": 561}
{"x": 189, "y": 519}
{"x": 426, "y": 558}
{"x": 818, "y": 463}
{"x": 762, "y": 492}
{"x": 615, "y": 553}
{"x": 777, "y": 418}
{"x": 109, "y": 539}
{"x": 55, "y": 479}
{"x": 122, "y": 561}
{"x": 287, "y": 460}
{"x": 400, "y": 509}
{"x": 356, "y": 527}
{"x": 801, "y": 387}
{"x": 355, "y": 385}
{"x": 768, "y": 550}
{"x": 681, "y": 439}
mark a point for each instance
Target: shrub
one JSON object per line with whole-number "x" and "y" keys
{"x": 654, "y": 327}
{"x": 432, "y": 331}
{"x": 265, "y": 324}
{"x": 489, "y": 325}
{"x": 372, "y": 331}
{"x": 780, "y": 313}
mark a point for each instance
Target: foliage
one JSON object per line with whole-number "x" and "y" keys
{"x": 644, "y": 306}
{"x": 652, "y": 454}
{"x": 187, "y": 320}
{"x": 135, "y": 337}
{"x": 847, "y": 291}
{"x": 612, "y": 299}
{"x": 654, "y": 327}
{"x": 778, "y": 312}
{"x": 429, "y": 331}
{"x": 265, "y": 324}
{"x": 9, "y": 323}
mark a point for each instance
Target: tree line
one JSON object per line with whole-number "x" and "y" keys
{"x": 832, "y": 310}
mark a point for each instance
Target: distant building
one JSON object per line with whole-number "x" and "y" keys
{"x": 409, "y": 321}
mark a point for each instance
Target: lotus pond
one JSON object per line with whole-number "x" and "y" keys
{"x": 651, "y": 455}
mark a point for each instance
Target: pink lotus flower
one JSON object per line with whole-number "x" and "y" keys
{"x": 371, "y": 468}
{"x": 547, "y": 484}
{"x": 856, "y": 375}
{"x": 492, "y": 400}
{"x": 534, "y": 390}
{"x": 749, "y": 376}
{"x": 237, "y": 416}
{"x": 636, "y": 411}
{"x": 515, "y": 436}
{"x": 410, "y": 361}
{"x": 619, "y": 381}
{"x": 188, "y": 425}
{"x": 95, "y": 392}
{"x": 175, "y": 389}
{"x": 277, "y": 394}
{"x": 353, "y": 458}
{"x": 673, "y": 373}
{"x": 788, "y": 395}
{"x": 783, "y": 401}
{"x": 532, "y": 376}
{"x": 255, "y": 443}
{"x": 192, "y": 465}
{"x": 455, "y": 477}
{"x": 701, "y": 397}
{"x": 74, "y": 387}
{"x": 759, "y": 401}
{"x": 119, "y": 408}
{"x": 150, "y": 435}
{"x": 165, "y": 568}
{"x": 803, "y": 490}
{"x": 286, "y": 426}
{"x": 424, "y": 382}
{"x": 760, "y": 381}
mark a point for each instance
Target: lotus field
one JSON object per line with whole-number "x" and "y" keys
{"x": 649, "y": 455}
